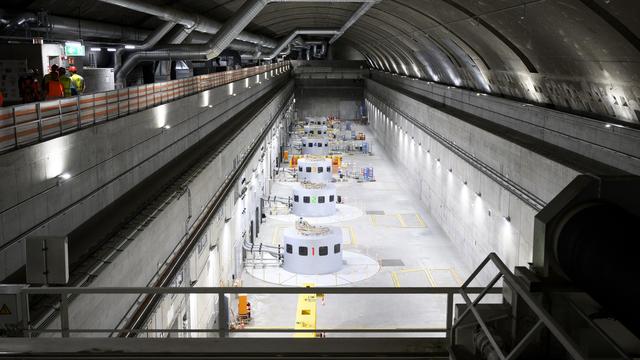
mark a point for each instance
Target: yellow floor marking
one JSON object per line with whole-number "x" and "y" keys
{"x": 456, "y": 276}
{"x": 430, "y": 276}
{"x": 401, "y": 220}
{"x": 354, "y": 239}
{"x": 306, "y": 314}
{"x": 426, "y": 273}
{"x": 452, "y": 271}
{"x": 394, "y": 278}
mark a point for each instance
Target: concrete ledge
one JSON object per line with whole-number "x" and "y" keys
{"x": 104, "y": 161}
{"x": 614, "y": 144}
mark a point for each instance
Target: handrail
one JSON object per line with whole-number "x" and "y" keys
{"x": 544, "y": 318}
{"x": 31, "y": 123}
{"x": 223, "y": 329}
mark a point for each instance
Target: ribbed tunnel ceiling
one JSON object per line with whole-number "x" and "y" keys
{"x": 578, "y": 55}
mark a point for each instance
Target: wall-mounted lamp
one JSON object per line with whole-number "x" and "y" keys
{"x": 62, "y": 177}
{"x": 226, "y": 220}
{"x": 507, "y": 218}
{"x": 450, "y": 170}
{"x": 479, "y": 194}
{"x": 465, "y": 183}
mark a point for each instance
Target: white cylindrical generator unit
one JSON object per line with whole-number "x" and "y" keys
{"x": 312, "y": 251}
{"x": 316, "y": 120}
{"x": 315, "y": 145}
{"x": 314, "y": 170}
{"x": 319, "y": 130}
{"x": 314, "y": 200}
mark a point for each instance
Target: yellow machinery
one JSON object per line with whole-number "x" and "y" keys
{"x": 306, "y": 314}
{"x": 244, "y": 308}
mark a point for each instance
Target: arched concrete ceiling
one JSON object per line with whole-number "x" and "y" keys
{"x": 578, "y": 55}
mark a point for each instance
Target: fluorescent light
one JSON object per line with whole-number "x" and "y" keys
{"x": 111, "y": 49}
{"x": 129, "y": 46}
{"x": 95, "y": 49}
{"x": 64, "y": 176}
{"x": 166, "y": 127}
{"x": 608, "y": 126}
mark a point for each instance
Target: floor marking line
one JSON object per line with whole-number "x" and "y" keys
{"x": 395, "y": 279}
{"x": 352, "y": 233}
{"x": 401, "y": 220}
{"x": 430, "y": 277}
{"x": 420, "y": 220}
{"x": 306, "y": 313}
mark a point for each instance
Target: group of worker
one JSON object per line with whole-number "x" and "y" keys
{"x": 57, "y": 84}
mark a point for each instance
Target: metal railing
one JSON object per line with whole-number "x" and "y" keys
{"x": 26, "y": 124}
{"x": 544, "y": 318}
{"x": 223, "y": 329}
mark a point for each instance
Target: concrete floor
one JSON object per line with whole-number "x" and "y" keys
{"x": 410, "y": 247}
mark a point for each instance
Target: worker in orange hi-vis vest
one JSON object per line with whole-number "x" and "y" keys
{"x": 54, "y": 89}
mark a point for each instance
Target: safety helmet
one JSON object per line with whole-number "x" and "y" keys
{"x": 73, "y": 69}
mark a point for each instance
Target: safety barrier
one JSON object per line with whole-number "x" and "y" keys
{"x": 26, "y": 124}
{"x": 442, "y": 297}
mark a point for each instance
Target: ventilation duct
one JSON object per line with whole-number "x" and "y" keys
{"x": 189, "y": 20}
{"x": 149, "y": 42}
{"x": 356, "y": 15}
{"x": 286, "y": 41}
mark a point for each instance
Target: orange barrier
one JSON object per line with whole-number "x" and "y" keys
{"x": 30, "y": 123}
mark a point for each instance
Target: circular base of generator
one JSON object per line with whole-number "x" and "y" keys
{"x": 356, "y": 267}
{"x": 343, "y": 213}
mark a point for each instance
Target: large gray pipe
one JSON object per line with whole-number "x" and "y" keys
{"x": 189, "y": 20}
{"x": 149, "y": 42}
{"x": 234, "y": 26}
{"x": 86, "y": 28}
{"x": 177, "y": 52}
{"x": 293, "y": 35}
{"x": 354, "y": 17}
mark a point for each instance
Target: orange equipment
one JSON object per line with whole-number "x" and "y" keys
{"x": 294, "y": 161}
{"x": 244, "y": 308}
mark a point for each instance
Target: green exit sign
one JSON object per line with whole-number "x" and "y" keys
{"x": 73, "y": 48}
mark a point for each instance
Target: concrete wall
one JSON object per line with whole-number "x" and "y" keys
{"x": 164, "y": 231}
{"x": 329, "y": 97}
{"x": 612, "y": 144}
{"x": 476, "y": 224}
{"x": 104, "y": 161}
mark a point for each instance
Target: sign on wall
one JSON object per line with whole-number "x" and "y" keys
{"x": 73, "y": 48}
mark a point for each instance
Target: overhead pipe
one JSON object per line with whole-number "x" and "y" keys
{"x": 189, "y": 20}
{"x": 151, "y": 40}
{"x": 86, "y": 28}
{"x": 293, "y": 35}
{"x": 354, "y": 17}
{"x": 206, "y": 25}
{"x": 178, "y": 52}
